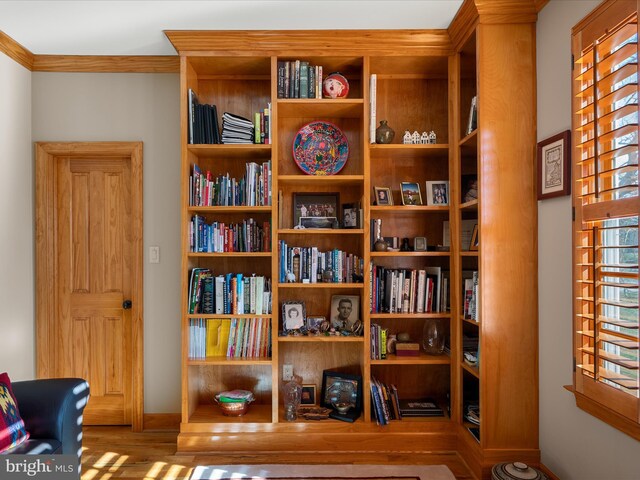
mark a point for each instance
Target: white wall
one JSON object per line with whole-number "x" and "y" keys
{"x": 17, "y": 304}
{"x": 132, "y": 107}
{"x": 574, "y": 444}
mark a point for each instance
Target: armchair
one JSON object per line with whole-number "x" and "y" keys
{"x": 52, "y": 413}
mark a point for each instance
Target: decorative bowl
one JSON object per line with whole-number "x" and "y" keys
{"x": 233, "y": 409}
{"x": 320, "y": 148}
{"x": 335, "y": 85}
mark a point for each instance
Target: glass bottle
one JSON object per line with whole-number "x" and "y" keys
{"x": 433, "y": 337}
{"x": 292, "y": 393}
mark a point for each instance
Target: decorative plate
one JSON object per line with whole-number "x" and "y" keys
{"x": 335, "y": 85}
{"x": 320, "y": 148}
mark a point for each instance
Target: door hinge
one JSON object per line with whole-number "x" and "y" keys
{"x": 574, "y": 364}
{"x": 573, "y": 214}
{"x": 573, "y": 62}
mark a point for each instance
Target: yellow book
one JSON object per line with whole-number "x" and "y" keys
{"x": 217, "y": 337}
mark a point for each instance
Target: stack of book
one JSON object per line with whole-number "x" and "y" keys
{"x": 472, "y": 412}
{"x": 384, "y": 399}
{"x": 233, "y": 338}
{"x": 420, "y": 407}
{"x": 236, "y": 129}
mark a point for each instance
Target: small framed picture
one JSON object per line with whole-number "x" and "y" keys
{"x": 314, "y": 323}
{"x": 554, "y": 167}
{"x": 345, "y": 312}
{"x": 293, "y": 316}
{"x": 410, "y": 193}
{"x": 321, "y": 205}
{"x": 383, "y": 196}
{"x": 318, "y": 222}
{"x": 475, "y": 239}
{"x": 350, "y": 215}
{"x": 308, "y": 396}
{"x": 437, "y": 192}
{"x": 420, "y": 244}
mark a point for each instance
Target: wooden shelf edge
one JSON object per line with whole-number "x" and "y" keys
{"x": 323, "y": 231}
{"x": 319, "y": 338}
{"x": 229, "y": 361}
{"x": 229, "y": 254}
{"x": 321, "y": 285}
{"x": 227, "y": 315}
{"x": 410, "y": 315}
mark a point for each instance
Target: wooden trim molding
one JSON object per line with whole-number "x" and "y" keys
{"x": 162, "y": 422}
{"x": 463, "y": 24}
{"x": 106, "y": 64}
{"x": 605, "y": 414}
{"x": 17, "y": 52}
{"x": 305, "y": 42}
{"x": 544, "y": 469}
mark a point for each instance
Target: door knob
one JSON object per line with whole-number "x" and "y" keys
{"x": 126, "y": 304}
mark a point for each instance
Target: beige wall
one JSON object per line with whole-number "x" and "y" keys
{"x": 574, "y": 444}
{"x": 91, "y": 107}
{"x": 16, "y": 217}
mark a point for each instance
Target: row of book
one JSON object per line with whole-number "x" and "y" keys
{"x": 219, "y": 237}
{"x": 232, "y": 293}
{"x": 307, "y": 264}
{"x": 203, "y": 121}
{"x": 471, "y": 350}
{"x": 233, "y": 338}
{"x": 386, "y": 405}
{"x": 252, "y": 190}
{"x": 423, "y": 290}
{"x": 378, "y": 342}
{"x": 470, "y": 307}
{"x": 298, "y": 79}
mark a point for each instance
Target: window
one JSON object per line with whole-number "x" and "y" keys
{"x": 607, "y": 206}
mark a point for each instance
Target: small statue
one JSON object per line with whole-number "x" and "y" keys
{"x": 405, "y": 245}
{"x": 290, "y": 277}
{"x": 406, "y": 139}
{"x": 415, "y": 138}
{"x": 432, "y": 137}
{"x": 424, "y": 138}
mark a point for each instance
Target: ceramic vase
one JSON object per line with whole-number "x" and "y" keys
{"x": 384, "y": 133}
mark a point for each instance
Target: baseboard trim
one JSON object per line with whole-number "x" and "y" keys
{"x": 548, "y": 473}
{"x": 161, "y": 422}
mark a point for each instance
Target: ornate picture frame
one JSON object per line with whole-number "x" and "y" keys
{"x": 294, "y": 316}
{"x": 554, "y": 166}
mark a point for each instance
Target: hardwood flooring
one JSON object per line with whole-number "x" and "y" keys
{"x": 116, "y": 452}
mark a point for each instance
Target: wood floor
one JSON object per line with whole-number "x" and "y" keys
{"x": 116, "y": 452}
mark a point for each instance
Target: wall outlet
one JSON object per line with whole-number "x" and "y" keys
{"x": 287, "y": 373}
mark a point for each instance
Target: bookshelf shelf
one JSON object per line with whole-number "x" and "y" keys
{"x": 470, "y": 321}
{"x": 473, "y": 370}
{"x": 256, "y": 413}
{"x": 472, "y": 205}
{"x": 409, "y": 315}
{"x": 469, "y": 254}
{"x": 321, "y": 286}
{"x": 410, "y": 254}
{"x": 415, "y": 152}
{"x": 231, "y": 152}
{"x": 229, "y": 254}
{"x": 321, "y": 339}
{"x": 228, "y": 361}
{"x": 470, "y": 142}
{"x": 325, "y": 107}
{"x": 421, "y": 359}
{"x": 225, "y": 315}
{"x": 318, "y": 181}
{"x": 234, "y": 209}
{"x": 320, "y": 231}
{"x": 408, "y": 209}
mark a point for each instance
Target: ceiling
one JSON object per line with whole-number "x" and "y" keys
{"x": 99, "y": 27}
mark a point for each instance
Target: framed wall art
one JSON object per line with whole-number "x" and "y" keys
{"x": 554, "y": 166}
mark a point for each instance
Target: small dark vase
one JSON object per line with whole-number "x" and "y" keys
{"x": 384, "y": 133}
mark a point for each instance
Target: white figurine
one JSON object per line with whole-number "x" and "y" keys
{"x": 432, "y": 137}
{"x": 291, "y": 278}
{"x": 424, "y": 138}
{"x": 407, "y": 137}
{"x": 415, "y": 138}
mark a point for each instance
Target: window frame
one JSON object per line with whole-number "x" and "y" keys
{"x": 612, "y": 405}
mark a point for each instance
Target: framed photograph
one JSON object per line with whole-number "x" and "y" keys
{"x": 475, "y": 239}
{"x": 342, "y": 392}
{"x": 345, "y": 312}
{"x": 437, "y": 192}
{"x": 351, "y": 215}
{"x": 319, "y": 205}
{"x": 420, "y": 244}
{"x": 314, "y": 323}
{"x": 410, "y": 192}
{"x": 308, "y": 396}
{"x": 293, "y": 316}
{"x": 554, "y": 166}
{"x": 383, "y": 196}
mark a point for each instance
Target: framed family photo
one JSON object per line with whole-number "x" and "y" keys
{"x": 351, "y": 215}
{"x": 345, "y": 311}
{"x": 554, "y": 166}
{"x": 315, "y": 210}
{"x": 437, "y": 192}
{"x": 410, "y": 192}
{"x": 293, "y": 316}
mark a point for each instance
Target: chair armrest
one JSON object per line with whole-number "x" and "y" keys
{"x": 52, "y": 408}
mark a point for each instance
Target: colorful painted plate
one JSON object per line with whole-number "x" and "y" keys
{"x": 320, "y": 148}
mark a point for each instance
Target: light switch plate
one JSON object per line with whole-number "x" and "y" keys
{"x": 154, "y": 254}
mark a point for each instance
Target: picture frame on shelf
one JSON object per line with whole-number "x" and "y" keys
{"x": 318, "y": 222}
{"x": 293, "y": 316}
{"x": 345, "y": 312}
{"x": 410, "y": 193}
{"x": 475, "y": 239}
{"x": 437, "y": 192}
{"x": 319, "y": 205}
{"x": 554, "y": 166}
{"x": 469, "y": 188}
{"x": 383, "y": 196}
{"x": 342, "y": 392}
{"x": 351, "y": 215}
{"x": 314, "y": 323}
{"x": 308, "y": 396}
{"x": 420, "y": 244}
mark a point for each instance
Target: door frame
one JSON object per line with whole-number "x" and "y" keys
{"x": 45, "y": 232}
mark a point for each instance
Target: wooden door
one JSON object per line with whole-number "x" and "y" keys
{"x": 93, "y": 254}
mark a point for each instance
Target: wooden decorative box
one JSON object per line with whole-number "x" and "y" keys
{"x": 407, "y": 349}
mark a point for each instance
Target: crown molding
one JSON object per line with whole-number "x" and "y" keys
{"x": 17, "y": 52}
{"x": 107, "y": 64}
{"x": 306, "y": 42}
